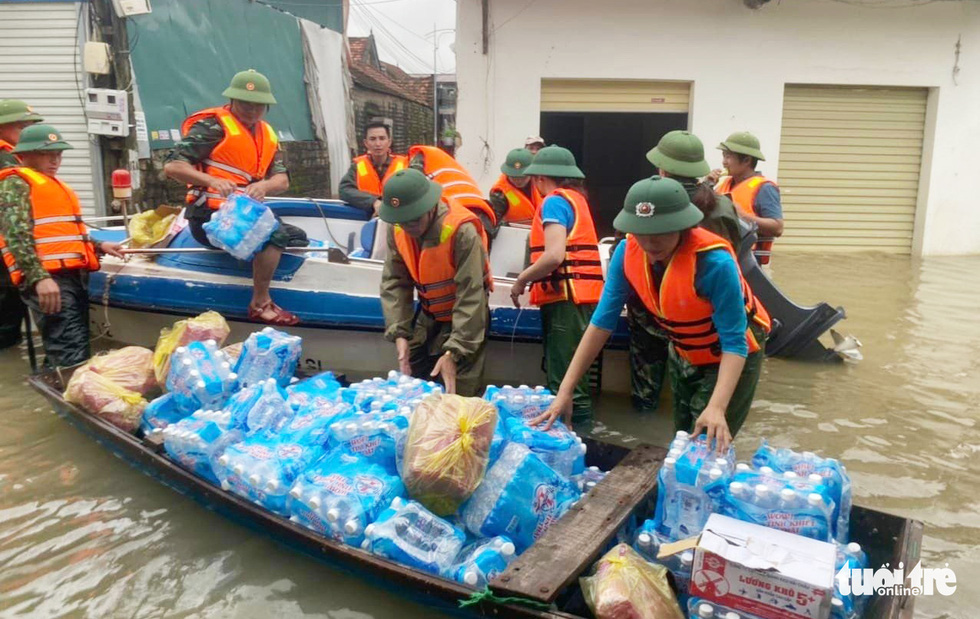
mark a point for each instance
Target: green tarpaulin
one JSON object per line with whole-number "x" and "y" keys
{"x": 327, "y": 13}
{"x": 185, "y": 53}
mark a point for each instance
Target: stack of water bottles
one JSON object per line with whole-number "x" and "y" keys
{"x": 241, "y": 226}
{"x": 329, "y": 457}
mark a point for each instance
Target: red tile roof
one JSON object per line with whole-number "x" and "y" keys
{"x": 384, "y": 77}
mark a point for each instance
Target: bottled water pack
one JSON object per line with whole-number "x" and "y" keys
{"x": 558, "y": 447}
{"x": 341, "y": 494}
{"x": 521, "y": 402}
{"x": 410, "y": 534}
{"x": 241, "y": 226}
{"x": 520, "y": 497}
{"x": 588, "y": 479}
{"x": 394, "y": 392}
{"x": 781, "y": 501}
{"x": 312, "y": 426}
{"x": 193, "y": 443}
{"x": 261, "y": 406}
{"x": 200, "y": 377}
{"x": 373, "y": 436}
{"x": 269, "y": 354}
{"x": 262, "y": 469}
{"x": 482, "y": 560}
{"x": 808, "y": 463}
{"x": 160, "y": 413}
{"x": 691, "y": 485}
{"x": 320, "y": 391}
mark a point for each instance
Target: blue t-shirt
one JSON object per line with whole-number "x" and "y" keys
{"x": 767, "y": 202}
{"x": 716, "y": 280}
{"x": 557, "y": 210}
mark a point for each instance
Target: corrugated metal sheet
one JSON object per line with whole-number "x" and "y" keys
{"x": 849, "y": 167}
{"x": 40, "y": 63}
{"x": 558, "y": 95}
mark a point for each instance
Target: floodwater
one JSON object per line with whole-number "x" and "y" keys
{"x": 84, "y": 535}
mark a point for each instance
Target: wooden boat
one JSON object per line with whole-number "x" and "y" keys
{"x": 545, "y": 575}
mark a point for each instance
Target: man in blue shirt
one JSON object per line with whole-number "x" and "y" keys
{"x": 756, "y": 197}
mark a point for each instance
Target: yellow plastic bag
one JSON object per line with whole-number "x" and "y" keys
{"x": 207, "y": 326}
{"x": 447, "y": 449}
{"x": 150, "y": 228}
{"x": 130, "y": 367}
{"x": 624, "y": 586}
{"x": 100, "y": 396}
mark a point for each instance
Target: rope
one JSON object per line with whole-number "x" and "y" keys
{"x": 486, "y": 595}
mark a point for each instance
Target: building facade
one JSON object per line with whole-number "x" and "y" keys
{"x": 866, "y": 114}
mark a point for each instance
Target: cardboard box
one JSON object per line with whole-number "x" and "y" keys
{"x": 767, "y": 573}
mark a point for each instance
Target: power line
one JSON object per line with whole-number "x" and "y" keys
{"x": 405, "y": 52}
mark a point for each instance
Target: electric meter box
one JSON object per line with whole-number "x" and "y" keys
{"x": 107, "y": 112}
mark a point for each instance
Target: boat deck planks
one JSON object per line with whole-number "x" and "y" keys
{"x": 574, "y": 543}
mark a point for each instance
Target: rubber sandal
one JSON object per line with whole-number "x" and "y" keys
{"x": 282, "y": 317}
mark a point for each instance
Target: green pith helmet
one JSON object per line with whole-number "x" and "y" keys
{"x": 517, "y": 162}
{"x": 41, "y": 137}
{"x": 15, "y": 111}
{"x": 657, "y": 206}
{"x": 680, "y": 153}
{"x": 556, "y": 162}
{"x": 250, "y": 86}
{"x": 743, "y": 143}
{"x": 408, "y": 195}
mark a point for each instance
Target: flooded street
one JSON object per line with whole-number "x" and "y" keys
{"x": 84, "y": 535}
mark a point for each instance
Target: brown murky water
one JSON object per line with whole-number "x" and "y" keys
{"x": 83, "y": 535}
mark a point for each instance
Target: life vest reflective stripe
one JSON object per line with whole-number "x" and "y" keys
{"x": 456, "y": 182}
{"x": 61, "y": 240}
{"x": 676, "y": 306}
{"x": 241, "y": 156}
{"x": 433, "y": 269}
{"x": 743, "y": 195}
{"x": 520, "y": 207}
{"x": 579, "y": 277}
{"x": 367, "y": 175}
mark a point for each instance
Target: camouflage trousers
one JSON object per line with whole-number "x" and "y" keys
{"x": 693, "y": 385}
{"x": 648, "y": 357}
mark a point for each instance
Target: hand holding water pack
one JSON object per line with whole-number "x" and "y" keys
{"x": 241, "y": 226}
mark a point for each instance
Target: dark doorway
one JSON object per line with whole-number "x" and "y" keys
{"x": 611, "y": 149}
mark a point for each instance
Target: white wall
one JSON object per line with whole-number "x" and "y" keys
{"x": 739, "y": 61}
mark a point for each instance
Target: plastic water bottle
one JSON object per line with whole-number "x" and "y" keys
{"x": 200, "y": 377}
{"x": 192, "y": 443}
{"x": 263, "y": 470}
{"x": 241, "y": 226}
{"x": 558, "y": 447}
{"x": 375, "y": 437}
{"x": 320, "y": 391}
{"x": 160, "y": 413}
{"x": 589, "y": 478}
{"x": 410, "y": 534}
{"x": 269, "y": 354}
{"x": 520, "y": 497}
{"x": 269, "y": 410}
{"x": 481, "y": 561}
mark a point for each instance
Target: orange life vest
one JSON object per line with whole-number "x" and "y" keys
{"x": 6, "y": 146}
{"x": 743, "y": 195}
{"x": 367, "y": 175}
{"x": 456, "y": 182}
{"x": 60, "y": 238}
{"x": 579, "y": 277}
{"x": 241, "y": 156}
{"x": 522, "y": 207}
{"x": 676, "y": 306}
{"x": 433, "y": 269}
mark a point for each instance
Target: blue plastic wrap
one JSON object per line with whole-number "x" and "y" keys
{"x": 241, "y": 226}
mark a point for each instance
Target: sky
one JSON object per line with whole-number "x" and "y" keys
{"x": 403, "y": 31}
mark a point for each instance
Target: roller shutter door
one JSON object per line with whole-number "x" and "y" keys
{"x": 849, "y": 167}
{"x": 40, "y": 63}
{"x": 614, "y": 96}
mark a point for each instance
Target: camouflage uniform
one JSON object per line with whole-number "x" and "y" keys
{"x": 11, "y": 307}
{"x": 65, "y": 334}
{"x": 196, "y": 146}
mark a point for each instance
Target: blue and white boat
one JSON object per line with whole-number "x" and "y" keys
{"x": 335, "y": 293}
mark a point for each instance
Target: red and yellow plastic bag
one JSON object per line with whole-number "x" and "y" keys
{"x": 447, "y": 449}
{"x": 624, "y": 586}
{"x": 101, "y": 396}
{"x": 130, "y": 367}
